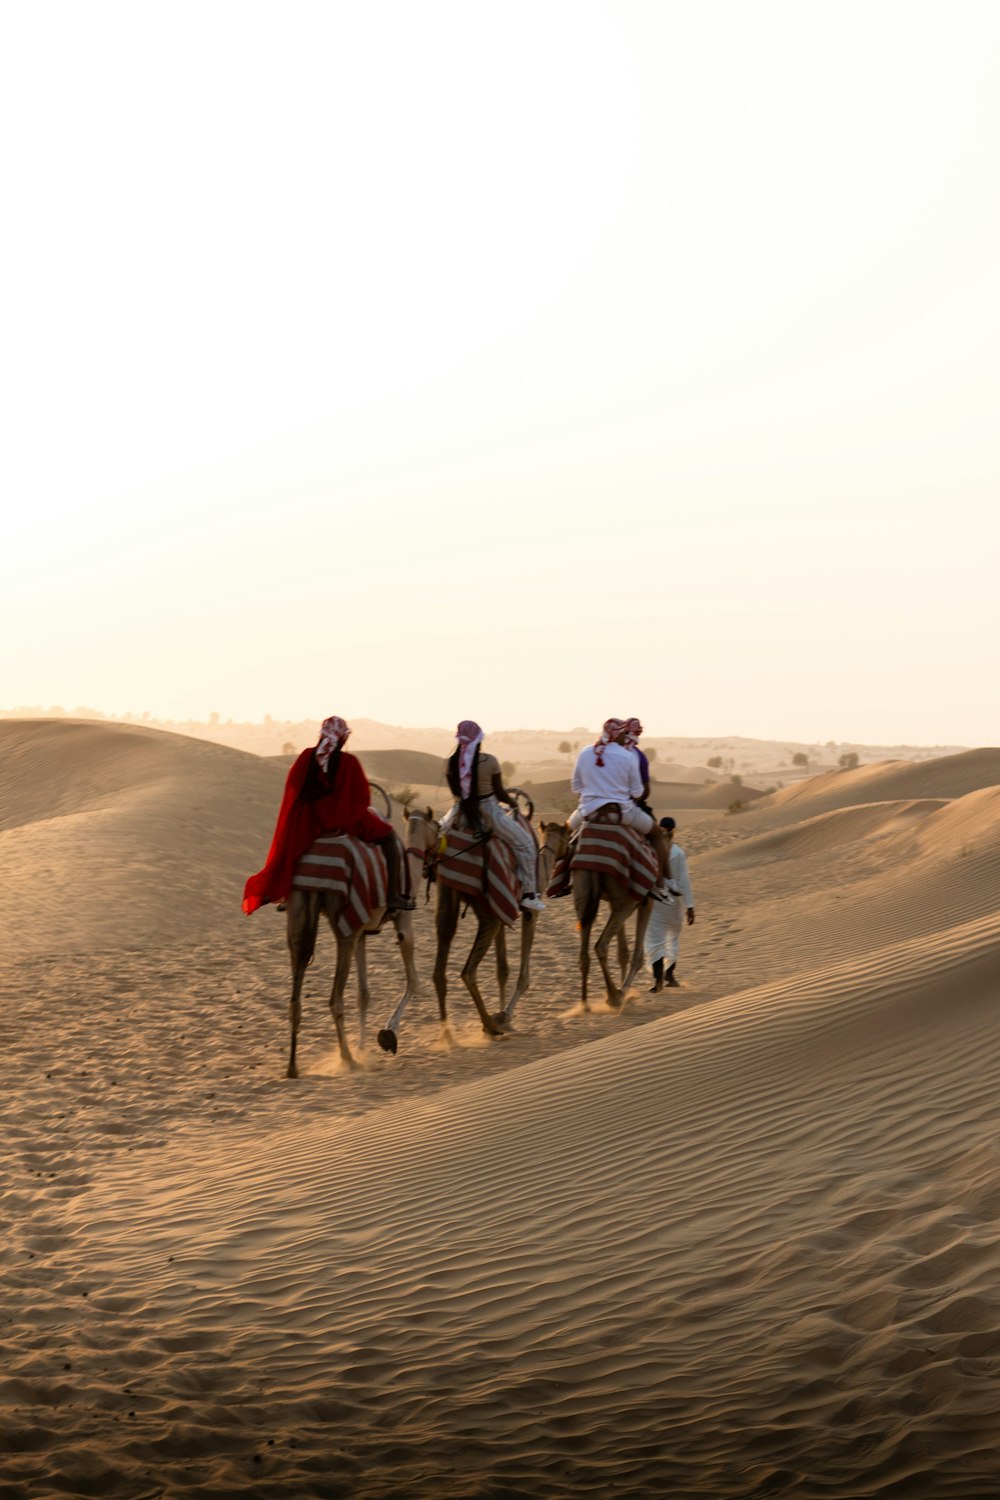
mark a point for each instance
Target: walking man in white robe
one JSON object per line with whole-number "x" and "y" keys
{"x": 663, "y": 935}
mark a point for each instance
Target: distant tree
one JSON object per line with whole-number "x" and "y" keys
{"x": 288, "y": 748}
{"x": 714, "y": 762}
{"x": 848, "y": 761}
{"x": 651, "y": 754}
{"x": 735, "y": 807}
{"x": 736, "y": 779}
{"x": 508, "y": 769}
{"x": 565, "y": 748}
{"x": 800, "y": 758}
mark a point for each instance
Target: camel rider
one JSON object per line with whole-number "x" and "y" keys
{"x": 326, "y": 791}
{"x": 633, "y": 729}
{"x": 477, "y": 786}
{"x": 609, "y": 771}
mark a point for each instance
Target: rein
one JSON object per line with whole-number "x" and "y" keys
{"x": 432, "y": 860}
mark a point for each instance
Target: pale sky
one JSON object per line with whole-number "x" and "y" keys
{"x": 526, "y": 362}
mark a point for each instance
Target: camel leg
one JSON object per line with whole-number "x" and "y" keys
{"x": 529, "y": 925}
{"x": 585, "y": 931}
{"x": 587, "y": 901}
{"x": 503, "y": 969}
{"x": 485, "y": 934}
{"x": 619, "y": 916}
{"x": 346, "y": 948}
{"x": 623, "y": 954}
{"x": 403, "y": 923}
{"x": 447, "y": 922}
{"x": 301, "y": 928}
{"x": 364, "y": 993}
{"x": 638, "y": 951}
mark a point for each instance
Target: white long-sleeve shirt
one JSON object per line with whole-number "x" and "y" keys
{"x": 679, "y": 877}
{"x": 618, "y": 780}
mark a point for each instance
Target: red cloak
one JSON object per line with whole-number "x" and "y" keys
{"x": 343, "y": 809}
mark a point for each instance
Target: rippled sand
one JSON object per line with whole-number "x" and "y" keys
{"x": 740, "y": 1240}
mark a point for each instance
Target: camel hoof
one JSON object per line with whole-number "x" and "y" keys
{"x": 388, "y": 1040}
{"x": 615, "y": 1000}
{"x": 293, "y": 1071}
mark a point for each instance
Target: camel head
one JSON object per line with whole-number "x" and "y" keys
{"x": 555, "y": 836}
{"x": 421, "y": 829}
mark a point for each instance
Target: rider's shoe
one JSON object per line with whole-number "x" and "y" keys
{"x": 401, "y": 903}
{"x": 530, "y": 902}
{"x": 663, "y": 896}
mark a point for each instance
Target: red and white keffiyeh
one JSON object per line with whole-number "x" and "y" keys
{"x": 469, "y": 736}
{"x": 333, "y": 733}
{"x": 612, "y": 729}
{"x": 633, "y": 729}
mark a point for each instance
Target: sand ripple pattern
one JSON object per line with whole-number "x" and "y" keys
{"x": 741, "y": 1241}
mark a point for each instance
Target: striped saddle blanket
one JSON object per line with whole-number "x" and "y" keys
{"x": 461, "y": 866}
{"x": 349, "y": 867}
{"x": 609, "y": 849}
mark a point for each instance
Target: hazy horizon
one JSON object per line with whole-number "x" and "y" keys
{"x": 364, "y": 721}
{"x": 531, "y": 366}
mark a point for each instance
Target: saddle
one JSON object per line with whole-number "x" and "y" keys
{"x": 481, "y": 867}
{"x": 349, "y": 867}
{"x": 607, "y": 847}
{"x": 608, "y": 812}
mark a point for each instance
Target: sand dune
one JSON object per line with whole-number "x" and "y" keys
{"x": 887, "y": 781}
{"x": 552, "y": 797}
{"x": 650, "y": 1245}
{"x": 113, "y": 835}
{"x": 741, "y": 1240}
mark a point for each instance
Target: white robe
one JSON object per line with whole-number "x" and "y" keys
{"x": 663, "y": 934}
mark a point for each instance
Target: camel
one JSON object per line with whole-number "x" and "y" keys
{"x": 304, "y": 910}
{"x": 555, "y": 842}
{"x": 489, "y": 931}
{"x": 590, "y": 888}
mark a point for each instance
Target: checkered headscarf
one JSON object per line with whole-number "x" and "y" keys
{"x": 612, "y": 729}
{"x": 333, "y": 733}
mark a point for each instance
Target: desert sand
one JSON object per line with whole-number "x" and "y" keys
{"x": 740, "y": 1239}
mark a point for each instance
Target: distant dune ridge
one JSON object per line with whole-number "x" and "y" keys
{"x": 948, "y": 776}
{"x": 125, "y": 835}
{"x": 741, "y": 1240}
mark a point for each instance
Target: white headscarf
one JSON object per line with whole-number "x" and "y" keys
{"x": 470, "y": 737}
{"x": 333, "y": 733}
{"x": 612, "y": 729}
